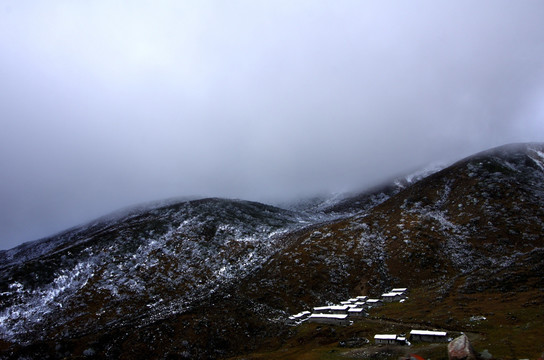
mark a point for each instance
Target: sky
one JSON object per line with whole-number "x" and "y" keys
{"x": 109, "y": 103}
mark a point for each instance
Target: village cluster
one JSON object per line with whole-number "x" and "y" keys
{"x": 348, "y": 311}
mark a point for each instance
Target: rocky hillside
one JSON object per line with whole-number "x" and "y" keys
{"x": 145, "y": 265}
{"x": 477, "y": 218}
{"x": 217, "y": 278}
{"x": 467, "y": 239}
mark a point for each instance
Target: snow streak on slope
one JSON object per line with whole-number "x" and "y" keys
{"x": 149, "y": 264}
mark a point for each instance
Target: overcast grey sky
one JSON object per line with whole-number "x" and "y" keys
{"x": 104, "y": 104}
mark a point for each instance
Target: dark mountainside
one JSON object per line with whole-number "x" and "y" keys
{"x": 217, "y": 278}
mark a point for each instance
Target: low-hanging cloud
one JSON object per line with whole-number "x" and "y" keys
{"x": 105, "y": 104}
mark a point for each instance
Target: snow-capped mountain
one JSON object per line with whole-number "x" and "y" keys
{"x": 215, "y": 278}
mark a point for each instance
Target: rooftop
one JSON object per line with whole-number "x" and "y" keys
{"x": 329, "y": 316}
{"x": 428, "y": 332}
{"x": 356, "y": 310}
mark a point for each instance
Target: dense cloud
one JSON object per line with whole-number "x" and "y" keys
{"x": 104, "y": 104}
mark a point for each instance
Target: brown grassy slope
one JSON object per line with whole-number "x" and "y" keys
{"x": 476, "y": 216}
{"x": 467, "y": 240}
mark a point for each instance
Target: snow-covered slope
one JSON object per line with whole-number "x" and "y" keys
{"x": 148, "y": 263}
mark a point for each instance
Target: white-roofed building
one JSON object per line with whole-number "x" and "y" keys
{"x": 428, "y": 336}
{"x": 302, "y": 315}
{"x": 390, "y": 339}
{"x": 333, "y": 309}
{"x": 387, "y": 339}
{"x": 334, "y": 319}
{"x": 374, "y": 302}
{"x": 357, "y": 312}
{"x": 401, "y": 340}
{"x": 298, "y": 318}
{"x": 391, "y": 297}
{"x": 339, "y": 309}
{"x": 322, "y": 309}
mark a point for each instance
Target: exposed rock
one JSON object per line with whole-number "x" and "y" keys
{"x": 461, "y": 349}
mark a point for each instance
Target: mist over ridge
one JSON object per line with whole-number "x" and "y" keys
{"x": 106, "y": 105}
